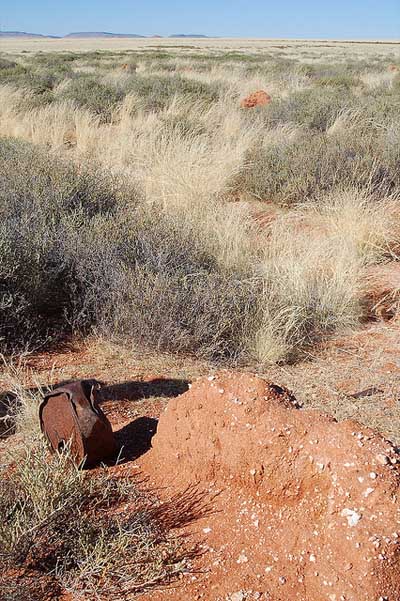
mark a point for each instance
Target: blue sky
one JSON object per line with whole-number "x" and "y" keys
{"x": 243, "y": 18}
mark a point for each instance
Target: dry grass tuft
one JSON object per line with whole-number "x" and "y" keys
{"x": 314, "y": 267}
{"x": 90, "y": 534}
{"x": 186, "y": 268}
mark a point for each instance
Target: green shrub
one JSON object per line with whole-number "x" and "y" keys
{"x": 73, "y": 257}
{"x": 6, "y": 64}
{"x": 313, "y": 108}
{"x": 99, "y": 98}
{"x": 14, "y": 73}
{"x": 158, "y": 91}
{"x": 43, "y": 201}
{"x": 294, "y": 171}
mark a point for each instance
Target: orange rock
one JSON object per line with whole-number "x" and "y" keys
{"x": 130, "y": 67}
{"x": 393, "y": 68}
{"x": 259, "y": 98}
{"x": 307, "y": 508}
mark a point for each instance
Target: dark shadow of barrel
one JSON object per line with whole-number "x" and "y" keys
{"x": 136, "y": 390}
{"x": 134, "y": 439}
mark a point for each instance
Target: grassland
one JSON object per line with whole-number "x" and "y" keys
{"x": 142, "y": 206}
{"x": 130, "y": 179}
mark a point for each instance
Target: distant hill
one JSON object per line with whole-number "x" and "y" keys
{"x": 24, "y": 34}
{"x": 101, "y": 34}
{"x": 93, "y": 34}
{"x": 188, "y": 35}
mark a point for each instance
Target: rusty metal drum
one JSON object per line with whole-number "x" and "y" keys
{"x": 70, "y": 415}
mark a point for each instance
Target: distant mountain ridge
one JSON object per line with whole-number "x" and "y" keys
{"x": 24, "y": 34}
{"x": 92, "y": 34}
{"x": 188, "y": 35}
{"x": 101, "y": 34}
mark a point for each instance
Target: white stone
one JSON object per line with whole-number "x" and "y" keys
{"x": 242, "y": 558}
{"x": 352, "y": 516}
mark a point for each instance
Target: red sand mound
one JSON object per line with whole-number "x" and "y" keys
{"x": 308, "y": 508}
{"x": 259, "y": 98}
{"x": 381, "y": 289}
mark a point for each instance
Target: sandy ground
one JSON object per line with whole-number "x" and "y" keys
{"x": 356, "y": 375}
{"x": 359, "y": 48}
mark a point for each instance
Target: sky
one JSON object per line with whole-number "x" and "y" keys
{"x": 338, "y": 19}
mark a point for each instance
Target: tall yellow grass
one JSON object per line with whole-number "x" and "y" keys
{"x": 310, "y": 260}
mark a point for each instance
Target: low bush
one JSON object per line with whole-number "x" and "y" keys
{"x": 294, "y": 171}
{"x": 83, "y": 533}
{"x": 74, "y": 258}
{"x": 314, "y": 108}
{"x": 88, "y": 92}
{"x": 157, "y": 91}
{"x": 6, "y": 64}
{"x": 43, "y": 201}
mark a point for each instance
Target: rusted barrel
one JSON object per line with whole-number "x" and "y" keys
{"x": 71, "y": 415}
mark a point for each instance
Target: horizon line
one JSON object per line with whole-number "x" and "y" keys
{"x": 368, "y": 39}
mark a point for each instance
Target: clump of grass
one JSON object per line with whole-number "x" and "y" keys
{"x": 157, "y": 91}
{"x": 293, "y": 170}
{"x": 310, "y": 292}
{"x": 97, "y": 97}
{"x": 313, "y": 269}
{"x": 90, "y": 534}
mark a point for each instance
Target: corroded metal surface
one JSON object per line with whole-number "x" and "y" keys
{"x": 70, "y": 415}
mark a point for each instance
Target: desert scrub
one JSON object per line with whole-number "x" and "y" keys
{"x": 43, "y": 202}
{"x": 292, "y": 171}
{"x": 157, "y": 91}
{"x": 314, "y": 108}
{"x": 178, "y": 266}
{"x": 92, "y": 534}
{"x": 97, "y": 97}
{"x": 77, "y": 254}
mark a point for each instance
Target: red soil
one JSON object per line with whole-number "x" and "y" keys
{"x": 260, "y": 519}
{"x": 306, "y": 508}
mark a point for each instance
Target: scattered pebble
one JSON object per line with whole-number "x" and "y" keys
{"x": 242, "y": 558}
{"x": 382, "y": 459}
{"x": 352, "y": 516}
